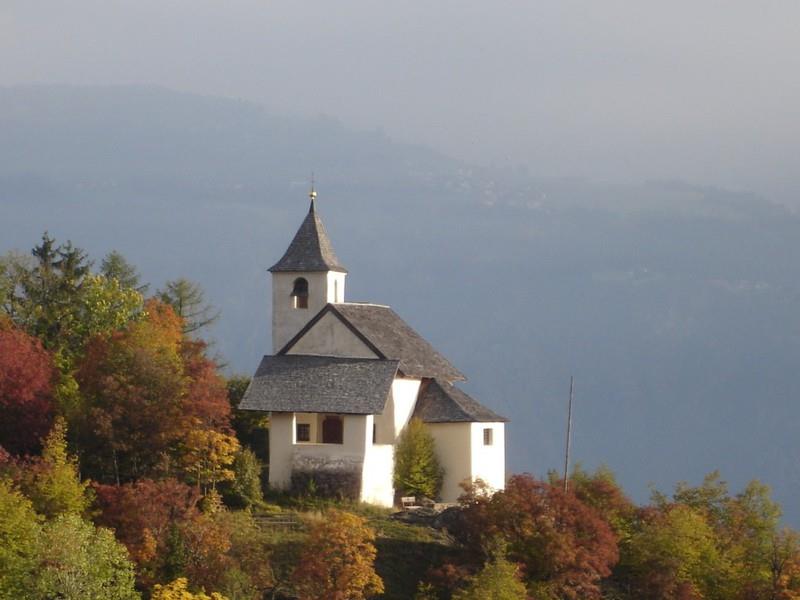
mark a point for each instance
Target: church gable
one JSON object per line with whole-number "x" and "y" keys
{"x": 326, "y": 334}
{"x": 381, "y": 330}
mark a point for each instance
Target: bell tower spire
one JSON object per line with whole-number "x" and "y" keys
{"x": 308, "y": 276}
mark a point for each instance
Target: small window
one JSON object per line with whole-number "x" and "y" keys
{"x": 487, "y": 436}
{"x": 374, "y": 433}
{"x": 303, "y": 432}
{"x": 300, "y": 293}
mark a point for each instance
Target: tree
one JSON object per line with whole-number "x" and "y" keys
{"x": 55, "y": 297}
{"x": 115, "y": 266}
{"x": 497, "y": 580}
{"x": 188, "y": 301}
{"x": 564, "y": 546}
{"x": 147, "y": 516}
{"x": 208, "y": 457}
{"x": 134, "y": 388}
{"x": 178, "y": 590}
{"x": 76, "y": 561}
{"x": 26, "y": 390}
{"x": 675, "y": 555}
{"x": 246, "y": 484}
{"x": 19, "y": 538}
{"x": 416, "y": 468}
{"x": 48, "y": 292}
{"x": 337, "y": 560}
{"x": 52, "y": 482}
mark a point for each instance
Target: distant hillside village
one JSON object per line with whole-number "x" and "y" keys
{"x": 349, "y": 466}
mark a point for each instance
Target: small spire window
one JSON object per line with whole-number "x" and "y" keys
{"x": 300, "y": 293}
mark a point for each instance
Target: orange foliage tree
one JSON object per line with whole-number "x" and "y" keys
{"x": 337, "y": 560}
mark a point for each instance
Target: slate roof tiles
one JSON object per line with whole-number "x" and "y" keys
{"x": 319, "y": 384}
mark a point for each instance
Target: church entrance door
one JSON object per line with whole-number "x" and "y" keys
{"x": 332, "y": 430}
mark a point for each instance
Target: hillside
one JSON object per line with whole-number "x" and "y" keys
{"x": 675, "y": 307}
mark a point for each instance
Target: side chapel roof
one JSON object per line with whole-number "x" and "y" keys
{"x": 311, "y": 248}
{"x": 440, "y": 402}
{"x": 319, "y": 384}
{"x": 386, "y": 334}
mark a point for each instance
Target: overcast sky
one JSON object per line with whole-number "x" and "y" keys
{"x": 707, "y": 92}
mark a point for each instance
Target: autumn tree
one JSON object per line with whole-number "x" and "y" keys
{"x": 64, "y": 557}
{"x": 188, "y": 301}
{"x": 497, "y": 580}
{"x": 79, "y": 561}
{"x": 133, "y": 383}
{"x": 26, "y": 386}
{"x": 179, "y": 590}
{"x": 676, "y": 554}
{"x": 147, "y": 516}
{"x": 19, "y": 538}
{"x": 337, "y": 560}
{"x": 417, "y": 470}
{"x": 52, "y": 482}
{"x": 564, "y": 546}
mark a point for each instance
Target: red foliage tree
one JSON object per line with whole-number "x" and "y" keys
{"x": 26, "y": 385}
{"x": 143, "y": 515}
{"x": 564, "y": 546}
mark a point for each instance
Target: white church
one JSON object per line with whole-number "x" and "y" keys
{"x": 345, "y": 378}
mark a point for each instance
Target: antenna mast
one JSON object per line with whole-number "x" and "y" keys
{"x": 569, "y": 432}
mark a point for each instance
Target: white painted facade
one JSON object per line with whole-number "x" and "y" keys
{"x": 324, "y": 287}
{"x": 466, "y": 458}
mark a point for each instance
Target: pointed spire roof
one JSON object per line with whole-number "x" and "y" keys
{"x": 311, "y": 248}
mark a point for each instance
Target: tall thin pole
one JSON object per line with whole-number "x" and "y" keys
{"x": 569, "y": 432}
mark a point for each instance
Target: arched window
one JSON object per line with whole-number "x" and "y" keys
{"x": 300, "y": 293}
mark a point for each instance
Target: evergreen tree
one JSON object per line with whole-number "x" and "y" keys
{"x": 416, "y": 468}
{"x": 115, "y": 266}
{"x": 188, "y": 301}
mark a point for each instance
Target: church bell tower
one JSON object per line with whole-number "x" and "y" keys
{"x": 305, "y": 279}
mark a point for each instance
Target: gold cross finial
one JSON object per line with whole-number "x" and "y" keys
{"x": 313, "y": 193}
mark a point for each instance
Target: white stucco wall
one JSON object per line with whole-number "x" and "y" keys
{"x": 281, "y": 446}
{"x": 453, "y": 450}
{"x": 404, "y": 398}
{"x": 331, "y": 337}
{"x": 489, "y": 462}
{"x": 323, "y": 287}
{"x": 376, "y": 487}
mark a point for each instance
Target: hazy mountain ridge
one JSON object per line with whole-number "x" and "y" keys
{"x": 674, "y": 306}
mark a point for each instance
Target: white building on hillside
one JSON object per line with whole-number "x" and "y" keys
{"x": 345, "y": 378}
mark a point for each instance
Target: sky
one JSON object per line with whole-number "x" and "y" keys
{"x": 702, "y": 91}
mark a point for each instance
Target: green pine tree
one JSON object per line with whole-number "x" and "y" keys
{"x": 417, "y": 470}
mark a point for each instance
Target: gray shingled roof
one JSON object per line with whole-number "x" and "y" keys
{"x": 440, "y": 402}
{"x": 311, "y": 248}
{"x": 300, "y": 383}
{"x": 389, "y": 337}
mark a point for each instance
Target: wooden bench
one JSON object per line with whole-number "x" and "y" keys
{"x": 408, "y": 501}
